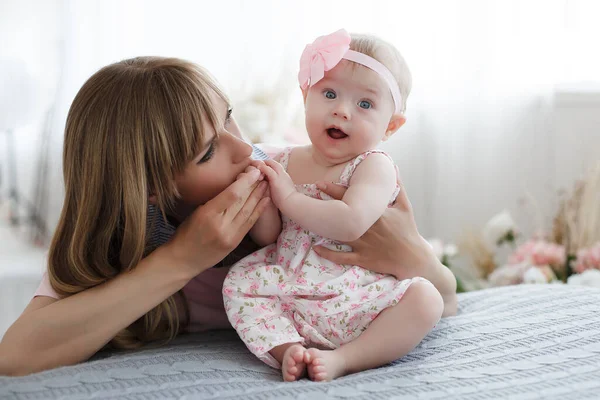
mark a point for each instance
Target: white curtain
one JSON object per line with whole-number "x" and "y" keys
{"x": 481, "y": 132}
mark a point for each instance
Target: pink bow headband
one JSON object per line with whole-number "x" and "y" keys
{"x": 327, "y": 51}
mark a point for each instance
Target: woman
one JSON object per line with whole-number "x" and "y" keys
{"x": 150, "y": 144}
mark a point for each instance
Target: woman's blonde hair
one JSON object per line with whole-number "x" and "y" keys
{"x": 131, "y": 128}
{"x": 389, "y": 56}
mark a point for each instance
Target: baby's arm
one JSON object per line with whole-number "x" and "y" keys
{"x": 371, "y": 188}
{"x": 268, "y": 226}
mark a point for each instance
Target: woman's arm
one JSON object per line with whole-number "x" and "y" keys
{"x": 52, "y": 333}
{"x": 371, "y": 188}
{"x": 394, "y": 246}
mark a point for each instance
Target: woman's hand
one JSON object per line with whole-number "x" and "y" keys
{"x": 394, "y": 246}
{"x": 215, "y": 229}
{"x": 391, "y": 242}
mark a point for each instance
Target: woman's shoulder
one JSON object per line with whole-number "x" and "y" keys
{"x": 45, "y": 288}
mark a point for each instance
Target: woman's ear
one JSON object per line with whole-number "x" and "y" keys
{"x": 395, "y": 123}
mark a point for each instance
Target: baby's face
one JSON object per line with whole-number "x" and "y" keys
{"x": 348, "y": 111}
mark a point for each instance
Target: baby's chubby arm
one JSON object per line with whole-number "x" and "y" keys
{"x": 367, "y": 197}
{"x": 268, "y": 226}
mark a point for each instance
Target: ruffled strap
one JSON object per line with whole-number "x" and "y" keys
{"x": 348, "y": 171}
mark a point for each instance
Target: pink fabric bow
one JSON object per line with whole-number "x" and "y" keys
{"x": 322, "y": 55}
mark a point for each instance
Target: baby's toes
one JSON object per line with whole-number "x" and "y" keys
{"x": 298, "y": 355}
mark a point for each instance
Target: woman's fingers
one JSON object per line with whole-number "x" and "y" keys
{"x": 247, "y": 223}
{"x": 249, "y": 169}
{"x": 402, "y": 202}
{"x": 256, "y": 163}
{"x": 338, "y": 257}
{"x": 334, "y": 190}
{"x": 232, "y": 199}
{"x": 249, "y": 206}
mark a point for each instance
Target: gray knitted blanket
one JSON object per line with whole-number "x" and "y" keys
{"x": 522, "y": 342}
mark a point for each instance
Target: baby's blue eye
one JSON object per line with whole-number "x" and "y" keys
{"x": 330, "y": 94}
{"x": 365, "y": 104}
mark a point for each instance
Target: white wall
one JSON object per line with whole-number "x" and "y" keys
{"x": 484, "y": 128}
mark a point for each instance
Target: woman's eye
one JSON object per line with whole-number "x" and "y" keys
{"x": 206, "y": 157}
{"x": 330, "y": 94}
{"x": 365, "y": 104}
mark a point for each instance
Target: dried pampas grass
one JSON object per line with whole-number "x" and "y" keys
{"x": 474, "y": 245}
{"x": 579, "y": 216}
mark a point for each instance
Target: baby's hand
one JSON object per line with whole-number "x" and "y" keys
{"x": 281, "y": 185}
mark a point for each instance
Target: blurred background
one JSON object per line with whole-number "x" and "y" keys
{"x": 504, "y": 112}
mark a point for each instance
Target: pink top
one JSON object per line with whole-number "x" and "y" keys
{"x": 203, "y": 293}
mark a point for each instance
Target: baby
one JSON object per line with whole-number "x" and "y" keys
{"x": 293, "y": 309}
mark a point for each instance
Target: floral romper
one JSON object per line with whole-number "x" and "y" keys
{"x": 286, "y": 293}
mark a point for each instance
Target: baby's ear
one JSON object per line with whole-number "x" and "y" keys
{"x": 395, "y": 123}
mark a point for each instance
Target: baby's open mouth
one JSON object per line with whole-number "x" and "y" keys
{"x": 336, "y": 133}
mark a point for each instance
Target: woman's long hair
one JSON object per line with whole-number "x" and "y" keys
{"x": 131, "y": 128}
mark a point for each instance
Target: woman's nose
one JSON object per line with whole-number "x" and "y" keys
{"x": 242, "y": 149}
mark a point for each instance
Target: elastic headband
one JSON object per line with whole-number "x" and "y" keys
{"x": 327, "y": 51}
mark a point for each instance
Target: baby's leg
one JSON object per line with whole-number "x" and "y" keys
{"x": 291, "y": 358}
{"x": 394, "y": 333}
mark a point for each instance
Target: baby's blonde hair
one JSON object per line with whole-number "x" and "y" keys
{"x": 389, "y": 56}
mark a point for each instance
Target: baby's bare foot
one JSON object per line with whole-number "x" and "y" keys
{"x": 324, "y": 365}
{"x": 293, "y": 366}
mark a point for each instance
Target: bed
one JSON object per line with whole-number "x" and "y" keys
{"x": 521, "y": 342}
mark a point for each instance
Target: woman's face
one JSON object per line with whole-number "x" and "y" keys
{"x": 221, "y": 159}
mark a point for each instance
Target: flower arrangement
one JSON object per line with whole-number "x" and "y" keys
{"x": 570, "y": 253}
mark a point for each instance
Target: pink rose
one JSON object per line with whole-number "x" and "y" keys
{"x": 539, "y": 252}
{"x": 300, "y": 280}
{"x": 587, "y": 258}
{"x": 254, "y": 287}
{"x": 260, "y": 308}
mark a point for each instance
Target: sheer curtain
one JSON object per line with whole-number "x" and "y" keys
{"x": 481, "y": 132}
